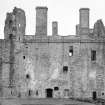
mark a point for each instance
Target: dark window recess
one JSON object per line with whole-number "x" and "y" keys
{"x": 71, "y": 51}
{"x": 37, "y": 93}
{"x": 65, "y": 69}
{"x": 29, "y": 92}
{"x": 23, "y": 57}
{"x": 102, "y": 94}
{"x": 56, "y": 88}
{"x": 14, "y": 29}
{"x": 27, "y": 76}
{"x": 49, "y": 93}
{"x": 10, "y": 36}
{"x": 94, "y": 95}
{"x": 26, "y": 46}
{"x": 93, "y": 55}
{"x": 10, "y": 22}
{"x": 66, "y": 92}
{"x": 19, "y": 94}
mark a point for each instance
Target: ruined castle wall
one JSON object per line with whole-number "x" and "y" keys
{"x": 41, "y": 60}
{"x": 15, "y": 24}
{"x": 14, "y": 31}
{"x": 19, "y": 23}
{"x": 1, "y": 88}
{"x": 85, "y": 74}
{"x": 9, "y": 66}
{"x": 5, "y": 66}
{"x": 44, "y": 62}
{"x": 74, "y": 65}
{"x": 45, "y": 58}
{"x": 90, "y": 69}
{"x": 37, "y": 63}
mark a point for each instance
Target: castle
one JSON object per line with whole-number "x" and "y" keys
{"x": 43, "y": 66}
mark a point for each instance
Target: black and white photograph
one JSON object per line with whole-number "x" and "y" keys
{"x": 52, "y": 52}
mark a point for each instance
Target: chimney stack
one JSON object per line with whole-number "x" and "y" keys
{"x": 55, "y": 28}
{"x": 77, "y": 29}
{"x": 84, "y": 21}
{"x": 41, "y": 20}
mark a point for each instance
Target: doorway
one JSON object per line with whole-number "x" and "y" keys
{"x": 66, "y": 93}
{"x": 94, "y": 95}
{"x": 49, "y": 93}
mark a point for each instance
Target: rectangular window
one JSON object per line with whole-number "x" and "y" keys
{"x": 23, "y": 57}
{"x": 37, "y": 93}
{"x": 71, "y": 51}
{"x": 93, "y": 55}
{"x": 65, "y": 69}
{"x": 29, "y": 92}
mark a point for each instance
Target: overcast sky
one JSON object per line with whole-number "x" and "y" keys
{"x": 66, "y": 12}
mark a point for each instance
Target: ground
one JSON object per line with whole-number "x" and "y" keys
{"x": 30, "y": 101}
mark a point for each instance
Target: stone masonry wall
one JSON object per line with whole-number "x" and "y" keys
{"x": 41, "y": 63}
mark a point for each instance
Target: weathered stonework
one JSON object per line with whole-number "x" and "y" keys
{"x": 56, "y": 66}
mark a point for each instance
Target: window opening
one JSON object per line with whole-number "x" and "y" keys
{"x": 93, "y": 55}
{"x": 23, "y": 57}
{"x": 102, "y": 94}
{"x": 27, "y": 76}
{"x": 29, "y": 92}
{"x": 71, "y": 51}
{"x": 56, "y": 88}
{"x": 94, "y": 95}
{"x": 65, "y": 69}
{"x": 37, "y": 93}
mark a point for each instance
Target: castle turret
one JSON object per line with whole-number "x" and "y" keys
{"x": 84, "y": 21}
{"x": 15, "y": 24}
{"x": 41, "y": 20}
{"x": 54, "y": 28}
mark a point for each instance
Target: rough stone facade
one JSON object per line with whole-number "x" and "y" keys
{"x": 55, "y": 66}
